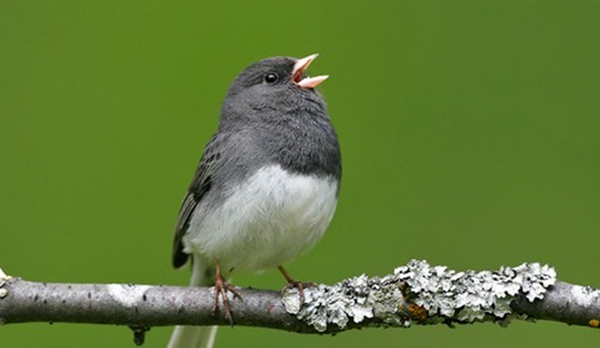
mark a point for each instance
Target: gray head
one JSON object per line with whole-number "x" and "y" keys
{"x": 273, "y": 114}
{"x": 269, "y": 88}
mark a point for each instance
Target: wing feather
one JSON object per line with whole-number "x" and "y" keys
{"x": 200, "y": 185}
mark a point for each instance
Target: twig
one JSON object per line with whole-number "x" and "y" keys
{"x": 414, "y": 294}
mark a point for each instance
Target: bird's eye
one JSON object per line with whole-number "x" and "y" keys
{"x": 271, "y": 78}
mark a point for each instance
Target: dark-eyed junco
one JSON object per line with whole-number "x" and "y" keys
{"x": 267, "y": 185}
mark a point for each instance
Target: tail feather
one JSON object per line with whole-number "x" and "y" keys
{"x": 196, "y": 336}
{"x": 193, "y": 337}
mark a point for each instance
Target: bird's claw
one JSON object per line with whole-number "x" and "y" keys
{"x": 221, "y": 289}
{"x": 300, "y": 286}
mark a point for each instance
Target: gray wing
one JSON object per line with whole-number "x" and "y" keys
{"x": 200, "y": 185}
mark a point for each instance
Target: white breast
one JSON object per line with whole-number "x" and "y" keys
{"x": 266, "y": 221}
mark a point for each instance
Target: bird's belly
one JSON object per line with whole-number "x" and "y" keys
{"x": 266, "y": 221}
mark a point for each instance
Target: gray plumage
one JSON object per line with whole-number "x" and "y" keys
{"x": 261, "y": 124}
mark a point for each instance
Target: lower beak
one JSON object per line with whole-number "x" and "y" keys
{"x": 299, "y": 71}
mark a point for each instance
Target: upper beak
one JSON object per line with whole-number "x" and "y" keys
{"x": 299, "y": 70}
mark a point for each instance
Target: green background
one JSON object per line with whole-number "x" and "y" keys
{"x": 469, "y": 131}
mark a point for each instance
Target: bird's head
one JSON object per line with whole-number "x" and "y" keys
{"x": 272, "y": 86}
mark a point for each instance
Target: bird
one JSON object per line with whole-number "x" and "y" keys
{"x": 266, "y": 187}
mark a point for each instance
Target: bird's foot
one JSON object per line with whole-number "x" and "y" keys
{"x": 221, "y": 289}
{"x": 300, "y": 286}
{"x": 292, "y": 283}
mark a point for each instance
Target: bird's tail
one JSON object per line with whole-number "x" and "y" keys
{"x": 195, "y": 336}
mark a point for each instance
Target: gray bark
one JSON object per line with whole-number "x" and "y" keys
{"x": 414, "y": 294}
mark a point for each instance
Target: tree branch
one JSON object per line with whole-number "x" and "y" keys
{"x": 414, "y": 294}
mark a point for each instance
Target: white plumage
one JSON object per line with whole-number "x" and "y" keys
{"x": 265, "y": 222}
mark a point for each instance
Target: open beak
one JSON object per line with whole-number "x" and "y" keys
{"x": 300, "y": 69}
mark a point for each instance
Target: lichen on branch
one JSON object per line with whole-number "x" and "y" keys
{"x": 421, "y": 293}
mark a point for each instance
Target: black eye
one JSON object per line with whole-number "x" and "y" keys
{"x": 271, "y": 78}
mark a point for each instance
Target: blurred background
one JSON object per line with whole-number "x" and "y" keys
{"x": 469, "y": 132}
